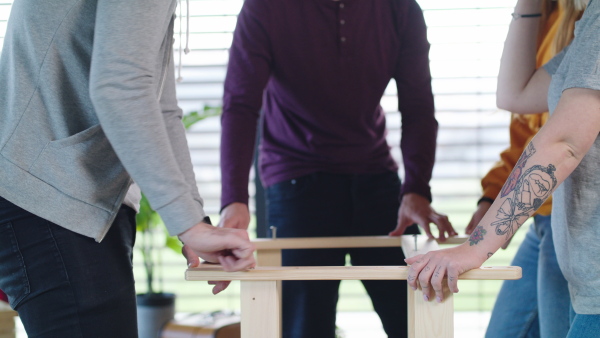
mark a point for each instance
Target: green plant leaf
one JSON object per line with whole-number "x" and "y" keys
{"x": 173, "y": 243}
{"x": 193, "y": 117}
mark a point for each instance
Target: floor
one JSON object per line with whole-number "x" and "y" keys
{"x": 366, "y": 324}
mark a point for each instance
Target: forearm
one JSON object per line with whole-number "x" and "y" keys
{"x": 547, "y": 161}
{"x": 518, "y": 61}
{"x": 172, "y": 115}
{"x": 522, "y": 130}
{"x": 416, "y": 104}
{"x": 237, "y": 149}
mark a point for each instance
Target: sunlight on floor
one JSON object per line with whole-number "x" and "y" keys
{"x": 367, "y": 324}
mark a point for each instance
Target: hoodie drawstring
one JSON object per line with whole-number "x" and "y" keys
{"x": 187, "y": 36}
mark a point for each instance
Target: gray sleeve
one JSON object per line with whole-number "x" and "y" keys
{"x": 552, "y": 66}
{"x": 146, "y": 134}
{"x": 581, "y": 68}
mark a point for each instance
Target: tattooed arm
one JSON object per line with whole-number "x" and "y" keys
{"x": 550, "y": 157}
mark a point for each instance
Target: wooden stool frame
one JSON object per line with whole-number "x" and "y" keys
{"x": 261, "y": 287}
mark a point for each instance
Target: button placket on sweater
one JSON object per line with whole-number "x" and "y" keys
{"x": 343, "y": 40}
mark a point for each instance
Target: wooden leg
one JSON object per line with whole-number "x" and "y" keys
{"x": 271, "y": 257}
{"x": 260, "y": 304}
{"x": 430, "y": 319}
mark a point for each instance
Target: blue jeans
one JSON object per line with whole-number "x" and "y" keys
{"x": 584, "y": 326}
{"x": 322, "y": 205}
{"x": 64, "y": 284}
{"x": 538, "y": 304}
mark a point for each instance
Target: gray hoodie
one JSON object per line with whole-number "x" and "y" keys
{"x": 87, "y": 102}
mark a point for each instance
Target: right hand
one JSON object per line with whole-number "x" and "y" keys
{"x": 427, "y": 271}
{"x": 482, "y": 209}
{"x": 236, "y": 215}
{"x": 229, "y": 247}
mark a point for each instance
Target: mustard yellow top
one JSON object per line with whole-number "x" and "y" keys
{"x": 523, "y": 127}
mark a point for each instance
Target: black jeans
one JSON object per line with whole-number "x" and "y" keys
{"x": 64, "y": 284}
{"x": 322, "y": 205}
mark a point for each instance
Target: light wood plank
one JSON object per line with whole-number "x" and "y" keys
{"x": 340, "y": 242}
{"x": 268, "y": 257}
{"x": 418, "y": 245}
{"x": 271, "y": 257}
{"x": 260, "y": 302}
{"x": 337, "y": 273}
{"x": 430, "y": 318}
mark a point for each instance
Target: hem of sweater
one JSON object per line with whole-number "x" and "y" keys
{"x": 586, "y": 305}
{"x": 227, "y": 199}
{"x": 181, "y": 214}
{"x": 425, "y": 192}
{"x": 271, "y": 179}
{"x": 50, "y": 203}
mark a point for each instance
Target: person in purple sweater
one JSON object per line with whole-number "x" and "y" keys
{"x": 318, "y": 69}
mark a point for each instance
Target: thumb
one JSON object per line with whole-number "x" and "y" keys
{"x": 403, "y": 223}
{"x": 413, "y": 259}
{"x": 192, "y": 259}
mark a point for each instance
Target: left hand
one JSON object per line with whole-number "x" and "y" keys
{"x": 417, "y": 209}
{"x": 428, "y": 270}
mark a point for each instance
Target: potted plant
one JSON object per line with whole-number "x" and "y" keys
{"x": 155, "y": 307}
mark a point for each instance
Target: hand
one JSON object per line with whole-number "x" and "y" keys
{"x": 482, "y": 209}
{"x": 428, "y": 270}
{"x": 236, "y": 215}
{"x": 229, "y": 247}
{"x": 417, "y": 209}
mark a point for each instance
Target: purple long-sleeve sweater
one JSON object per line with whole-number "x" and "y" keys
{"x": 319, "y": 68}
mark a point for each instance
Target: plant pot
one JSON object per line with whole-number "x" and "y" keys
{"x": 154, "y": 311}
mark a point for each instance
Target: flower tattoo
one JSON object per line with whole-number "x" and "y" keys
{"x": 477, "y": 235}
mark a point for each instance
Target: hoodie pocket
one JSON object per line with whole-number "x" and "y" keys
{"x": 83, "y": 166}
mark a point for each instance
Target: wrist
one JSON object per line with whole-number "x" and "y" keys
{"x": 517, "y": 16}
{"x": 197, "y": 230}
{"x": 485, "y": 199}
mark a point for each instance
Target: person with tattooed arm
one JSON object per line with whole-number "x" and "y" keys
{"x": 561, "y": 159}
{"x": 537, "y": 305}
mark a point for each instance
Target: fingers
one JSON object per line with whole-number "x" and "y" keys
{"x": 437, "y": 282}
{"x": 427, "y": 229}
{"x": 219, "y": 286}
{"x": 424, "y": 277}
{"x": 231, "y": 263}
{"x": 399, "y": 231}
{"x": 453, "y": 280}
{"x": 193, "y": 261}
{"x": 444, "y": 225}
{"x": 416, "y": 265}
{"x": 428, "y": 273}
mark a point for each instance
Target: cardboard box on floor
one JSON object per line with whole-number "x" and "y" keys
{"x": 203, "y": 325}
{"x": 7, "y": 321}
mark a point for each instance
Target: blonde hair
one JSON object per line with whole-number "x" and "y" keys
{"x": 572, "y": 11}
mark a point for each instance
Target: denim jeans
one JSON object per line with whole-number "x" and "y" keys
{"x": 64, "y": 284}
{"x": 584, "y": 326}
{"x": 322, "y": 205}
{"x": 538, "y": 304}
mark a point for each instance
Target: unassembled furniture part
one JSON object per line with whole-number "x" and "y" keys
{"x": 261, "y": 287}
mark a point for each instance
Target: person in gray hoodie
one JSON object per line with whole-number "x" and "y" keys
{"x": 87, "y": 106}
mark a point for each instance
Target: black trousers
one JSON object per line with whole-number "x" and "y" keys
{"x": 323, "y": 205}
{"x": 64, "y": 284}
